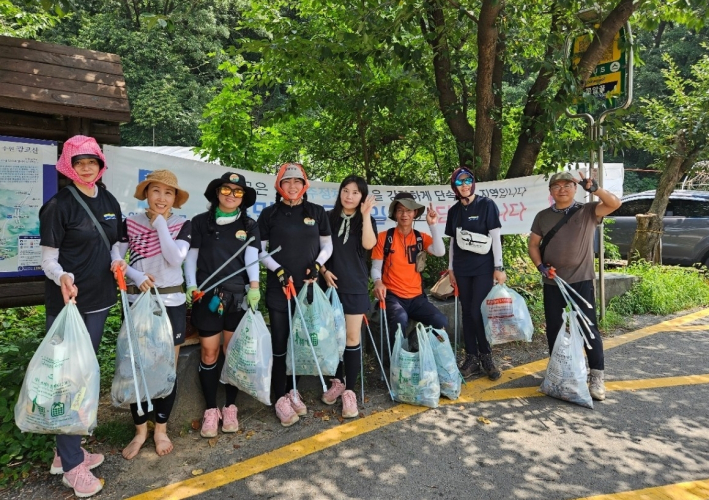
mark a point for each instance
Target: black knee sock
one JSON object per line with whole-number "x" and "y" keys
{"x": 230, "y": 391}
{"x": 278, "y": 376}
{"x": 340, "y": 373}
{"x": 163, "y": 406}
{"x": 289, "y": 382}
{"x": 353, "y": 364}
{"x": 209, "y": 377}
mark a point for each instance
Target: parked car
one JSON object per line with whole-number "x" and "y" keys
{"x": 686, "y": 234}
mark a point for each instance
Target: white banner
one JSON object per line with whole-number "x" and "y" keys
{"x": 518, "y": 200}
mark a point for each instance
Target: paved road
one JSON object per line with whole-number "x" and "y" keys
{"x": 500, "y": 440}
{"x": 505, "y": 440}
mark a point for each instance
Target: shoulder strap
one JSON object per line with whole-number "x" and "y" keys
{"x": 72, "y": 190}
{"x": 547, "y": 237}
{"x": 388, "y": 242}
{"x": 419, "y": 241}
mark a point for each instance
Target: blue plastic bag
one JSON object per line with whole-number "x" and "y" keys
{"x": 414, "y": 377}
{"x": 449, "y": 376}
{"x": 320, "y": 327}
{"x": 339, "y": 316}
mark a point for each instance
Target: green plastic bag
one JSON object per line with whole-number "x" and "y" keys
{"x": 414, "y": 377}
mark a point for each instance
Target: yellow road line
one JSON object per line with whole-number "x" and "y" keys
{"x": 472, "y": 392}
{"x": 692, "y": 490}
{"x": 620, "y": 385}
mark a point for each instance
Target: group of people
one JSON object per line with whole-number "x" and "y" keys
{"x": 85, "y": 240}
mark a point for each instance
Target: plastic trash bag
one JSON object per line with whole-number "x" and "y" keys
{"x": 506, "y": 316}
{"x": 566, "y": 373}
{"x": 60, "y": 391}
{"x": 154, "y": 343}
{"x": 249, "y": 358}
{"x": 413, "y": 375}
{"x": 339, "y": 316}
{"x": 320, "y": 326}
{"x": 449, "y": 376}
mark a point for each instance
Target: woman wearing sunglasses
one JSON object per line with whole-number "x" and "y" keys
{"x": 217, "y": 235}
{"x": 474, "y": 263}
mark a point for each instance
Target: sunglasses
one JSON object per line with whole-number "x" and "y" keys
{"x": 235, "y": 192}
{"x": 468, "y": 181}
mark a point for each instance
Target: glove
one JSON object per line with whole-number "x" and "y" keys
{"x": 252, "y": 297}
{"x": 190, "y": 291}
{"x": 544, "y": 270}
{"x": 283, "y": 276}
{"x": 314, "y": 271}
{"x": 592, "y": 188}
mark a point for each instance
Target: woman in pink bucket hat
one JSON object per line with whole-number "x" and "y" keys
{"x": 76, "y": 257}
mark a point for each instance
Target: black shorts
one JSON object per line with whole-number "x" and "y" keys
{"x": 355, "y": 303}
{"x": 178, "y": 320}
{"x": 210, "y": 323}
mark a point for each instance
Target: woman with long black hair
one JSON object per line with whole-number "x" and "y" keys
{"x": 355, "y": 232}
{"x": 302, "y": 230}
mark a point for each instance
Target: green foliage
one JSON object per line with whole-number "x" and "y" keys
{"x": 24, "y": 23}
{"x": 115, "y": 433}
{"x": 21, "y": 331}
{"x": 662, "y": 290}
{"x": 634, "y": 182}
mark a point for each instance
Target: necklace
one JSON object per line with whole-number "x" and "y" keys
{"x": 563, "y": 210}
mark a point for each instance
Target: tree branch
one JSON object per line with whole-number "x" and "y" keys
{"x": 463, "y": 10}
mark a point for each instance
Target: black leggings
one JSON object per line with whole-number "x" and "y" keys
{"x": 280, "y": 330}
{"x": 472, "y": 291}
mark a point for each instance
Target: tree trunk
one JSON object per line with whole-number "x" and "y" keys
{"x": 496, "y": 149}
{"x": 646, "y": 242}
{"x": 537, "y": 119}
{"x": 484, "y": 90}
{"x": 456, "y": 120}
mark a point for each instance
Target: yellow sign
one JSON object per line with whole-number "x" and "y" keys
{"x": 608, "y": 85}
{"x": 581, "y": 44}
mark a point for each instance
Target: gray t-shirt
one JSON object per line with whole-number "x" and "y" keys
{"x": 570, "y": 251}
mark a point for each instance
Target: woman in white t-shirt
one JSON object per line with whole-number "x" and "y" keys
{"x": 158, "y": 241}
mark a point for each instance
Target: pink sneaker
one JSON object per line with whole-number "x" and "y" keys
{"x": 91, "y": 460}
{"x": 210, "y": 423}
{"x": 349, "y": 405}
{"x": 297, "y": 403}
{"x": 285, "y": 412}
{"x": 229, "y": 420}
{"x": 334, "y": 392}
{"x": 80, "y": 478}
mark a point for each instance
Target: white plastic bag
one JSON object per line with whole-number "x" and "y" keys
{"x": 154, "y": 343}
{"x": 320, "y": 326}
{"x": 60, "y": 391}
{"x": 339, "y": 317}
{"x": 506, "y": 316}
{"x": 566, "y": 373}
{"x": 414, "y": 378}
{"x": 249, "y": 358}
{"x": 449, "y": 376}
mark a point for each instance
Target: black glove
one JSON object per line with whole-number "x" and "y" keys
{"x": 592, "y": 188}
{"x": 313, "y": 271}
{"x": 283, "y": 276}
{"x": 544, "y": 270}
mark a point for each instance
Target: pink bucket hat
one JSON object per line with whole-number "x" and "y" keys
{"x": 80, "y": 145}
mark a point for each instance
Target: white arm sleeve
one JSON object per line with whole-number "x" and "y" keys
{"x": 135, "y": 276}
{"x": 450, "y": 254}
{"x": 191, "y": 267}
{"x": 376, "y": 272}
{"x": 118, "y": 251}
{"x": 269, "y": 262}
{"x": 173, "y": 251}
{"x": 50, "y": 265}
{"x": 496, "y": 246}
{"x": 251, "y": 255}
{"x": 325, "y": 249}
{"x": 437, "y": 248}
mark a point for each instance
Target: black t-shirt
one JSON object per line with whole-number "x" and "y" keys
{"x": 481, "y": 216}
{"x": 64, "y": 224}
{"x": 297, "y": 231}
{"x": 349, "y": 260}
{"x": 217, "y": 244}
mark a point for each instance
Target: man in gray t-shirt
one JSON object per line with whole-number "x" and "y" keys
{"x": 570, "y": 252}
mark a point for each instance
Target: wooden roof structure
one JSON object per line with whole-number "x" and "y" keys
{"x": 50, "y": 91}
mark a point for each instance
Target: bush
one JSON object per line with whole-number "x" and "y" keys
{"x": 662, "y": 290}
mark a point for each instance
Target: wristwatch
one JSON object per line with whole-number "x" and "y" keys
{"x": 500, "y": 268}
